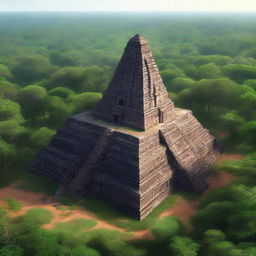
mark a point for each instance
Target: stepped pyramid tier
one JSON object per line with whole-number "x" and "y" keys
{"x": 135, "y": 147}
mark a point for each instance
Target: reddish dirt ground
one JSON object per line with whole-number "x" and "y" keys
{"x": 226, "y": 157}
{"x": 31, "y": 200}
{"x": 183, "y": 208}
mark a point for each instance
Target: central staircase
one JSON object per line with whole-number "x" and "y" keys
{"x": 76, "y": 183}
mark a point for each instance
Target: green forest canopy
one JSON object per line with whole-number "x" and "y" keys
{"x": 55, "y": 65}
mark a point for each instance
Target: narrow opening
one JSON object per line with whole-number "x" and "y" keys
{"x": 121, "y": 102}
{"x": 160, "y": 116}
{"x": 101, "y": 185}
{"x": 116, "y": 119}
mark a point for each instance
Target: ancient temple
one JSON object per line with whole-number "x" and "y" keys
{"x": 135, "y": 147}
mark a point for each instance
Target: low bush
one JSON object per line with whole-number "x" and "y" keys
{"x": 13, "y": 204}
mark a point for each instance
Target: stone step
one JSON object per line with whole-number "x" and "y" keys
{"x": 81, "y": 178}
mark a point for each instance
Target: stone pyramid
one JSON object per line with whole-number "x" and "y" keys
{"x": 135, "y": 147}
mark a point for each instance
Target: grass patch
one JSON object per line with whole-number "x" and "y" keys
{"x": 3, "y": 213}
{"x": 113, "y": 216}
{"x": 35, "y": 183}
{"x": 37, "y": 216}
{"x": 73, "y": 207}
{"x": 62, "y": 207}
{"x": 13, "y": 204}
{"x": 76, "y": 225}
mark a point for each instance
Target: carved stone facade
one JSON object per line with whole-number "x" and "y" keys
{"x": 136, "y": 96}
{"x": 134, "y": 169}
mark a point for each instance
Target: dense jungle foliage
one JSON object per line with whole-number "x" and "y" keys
{"x": 56, "y": 65}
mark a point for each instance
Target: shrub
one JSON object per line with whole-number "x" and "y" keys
{"x": 183, "y": 246}
{"x": 37, "y": 216}
{"x": 166, "y": 227}
{"x": 13, "y": 204}
{"x": 11, "y": 250}
{"x": 212, "y": 236}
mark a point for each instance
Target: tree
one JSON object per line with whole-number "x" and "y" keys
{"x": 41, "y": 137}
{"x": 218, "y": 94}
{"x": 69, "y": 58}
{"x": 183, "y": 246}
{"x": 223, "y": 248}
{"x": 251, "y": 83}
{"x": 191, "y": 71}
{"x": 55, "y": 110}
{"x": 8, "y": 90}
{"x": 5, "y": 72}
{"x": 30, "y": 69}
{"x": 249, "y": 52}
{"x": 179, "y": 84}
{"x": 31, "y": 101}
{"x": 208, "y": 71}
{"x": 95, "y": 79}
{"x": 169, "y": 74}
{"x": 213, "y": 216}
{"x": 232, "y": 121}
{"x": 242, "y": 225}
{"x": 247, "y": 103}
{"x": 212, "y": 236}
{"x": 71, "y": 77}
{"x": 244, "y": 60}
{"x": 84, "y": 101}
{"x": 248, "y": 131}
{"x": 10, "y": 129}
{"x": 218, "y": 60}
{"x": 240, "y": 72}
{"x": 7, "y": 155}
{"x": 10, "y": 110}
{"x": 62, "y": 92}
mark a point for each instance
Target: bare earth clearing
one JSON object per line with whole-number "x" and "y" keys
{"x": 183, "y": 208}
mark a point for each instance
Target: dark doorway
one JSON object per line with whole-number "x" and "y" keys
{"x": 116, "y": 119}
{"x": 121, "y": 102}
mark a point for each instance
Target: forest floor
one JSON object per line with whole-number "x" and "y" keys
{"x": 183, "y": 207}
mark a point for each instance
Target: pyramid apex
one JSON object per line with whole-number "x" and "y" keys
{"x": 138, "y": 39}
{"x": 137, "y": 36}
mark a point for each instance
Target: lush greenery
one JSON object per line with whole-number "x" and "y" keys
{"x": 56, "y": 65}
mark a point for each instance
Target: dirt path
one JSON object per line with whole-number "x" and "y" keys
{"x": 26, "y": 198}
{"x": 226, "y": 157}
{"x": 31, "y": 200}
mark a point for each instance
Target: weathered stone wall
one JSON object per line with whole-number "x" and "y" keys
{"x": 193, "y": 149}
